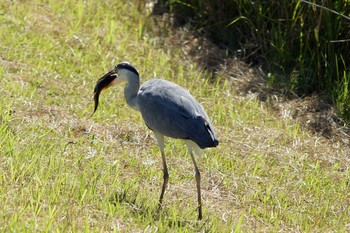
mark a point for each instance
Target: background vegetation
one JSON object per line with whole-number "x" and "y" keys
{"x": 62, "y": 170}
{"x": 303, "y": 47}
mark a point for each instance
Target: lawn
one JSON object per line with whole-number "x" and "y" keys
{"x": 63, "y": 170}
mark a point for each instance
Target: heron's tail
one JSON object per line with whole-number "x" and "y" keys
{"x": 206, "y": 138}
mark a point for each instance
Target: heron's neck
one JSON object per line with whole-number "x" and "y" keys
{"x": 130, "y": 91}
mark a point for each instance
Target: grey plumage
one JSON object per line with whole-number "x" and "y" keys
{"x": 172, "y": 111}
{"x": 168, "y": 110}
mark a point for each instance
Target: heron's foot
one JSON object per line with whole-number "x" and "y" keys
{"x": 200, "y": 216}
{"x": 160, "y": 204}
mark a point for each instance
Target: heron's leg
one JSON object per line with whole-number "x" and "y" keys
{"x": 165, "y": 177}
{"x": 160, "y": 141}
{"x": 198, "y": 181}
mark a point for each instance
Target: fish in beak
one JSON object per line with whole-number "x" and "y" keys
{"x": 103, "y": 83}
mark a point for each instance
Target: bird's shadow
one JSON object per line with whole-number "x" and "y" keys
{"x": 145, "y": 210}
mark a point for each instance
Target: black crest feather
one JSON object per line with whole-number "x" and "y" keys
{"x": 127, "y": 66}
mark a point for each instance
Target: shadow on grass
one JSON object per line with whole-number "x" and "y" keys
{"x": 151, "y": 212}
{"x": 313, "y": 112}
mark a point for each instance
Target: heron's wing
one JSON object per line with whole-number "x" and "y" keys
{"x": 172, "y": 111}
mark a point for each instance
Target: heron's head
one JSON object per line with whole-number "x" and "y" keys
{"x": 118, "y": 74}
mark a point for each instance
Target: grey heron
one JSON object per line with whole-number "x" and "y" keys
{"x": 168, "y": 110}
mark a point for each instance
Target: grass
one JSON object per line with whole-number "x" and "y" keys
{"x": 302, "y": 44}
{"x": 62, "y": 170}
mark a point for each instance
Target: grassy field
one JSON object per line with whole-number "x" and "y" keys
{"x": 302, "y": 44}
{"x": 65, "y": 171}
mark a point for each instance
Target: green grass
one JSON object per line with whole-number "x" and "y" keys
{"x": 62, "y": 170}
{"x": 302, "y": 44}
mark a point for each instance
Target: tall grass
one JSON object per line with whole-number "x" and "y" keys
{"x": 304, "y": 46}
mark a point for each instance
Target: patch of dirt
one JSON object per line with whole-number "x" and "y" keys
{"x": 313, "y": 113}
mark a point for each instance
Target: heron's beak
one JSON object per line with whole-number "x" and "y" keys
{"x": 103, "y": 83}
